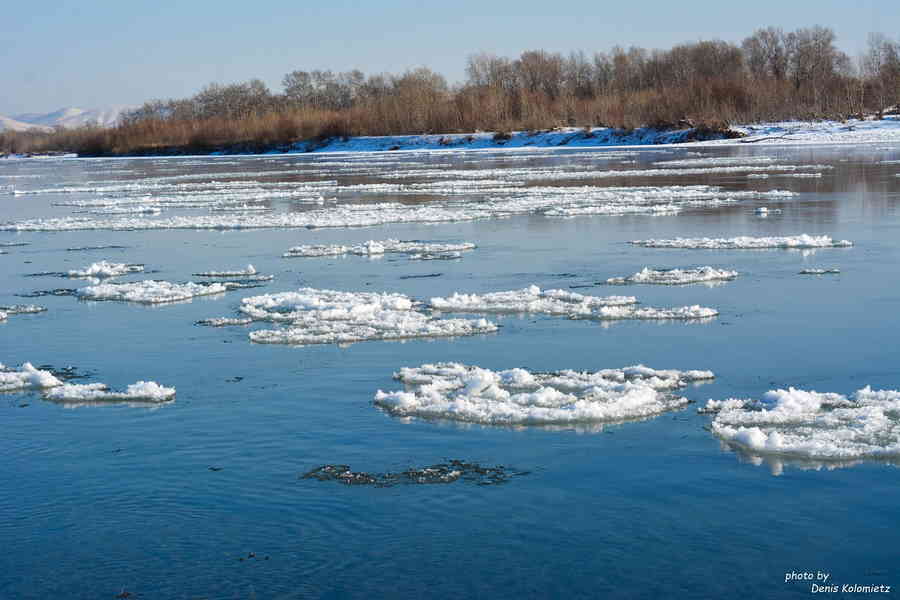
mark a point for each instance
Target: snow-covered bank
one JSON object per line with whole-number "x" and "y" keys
{"x": 852, "y": 131}
{"x": 573, "y": 137}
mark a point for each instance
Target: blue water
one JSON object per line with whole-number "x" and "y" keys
{"x": 97, "y": 500}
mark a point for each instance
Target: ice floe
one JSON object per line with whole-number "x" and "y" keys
{"x": 224, "y": 321}
{"x": 142, "y": 391}
{"x": 416, "y": 249}
{"x": 250, "y": 270}
{"x": 150, "y": 291}
{"x": 747, "y": 242}
{"x": 820, "y": 272}
{"x": 27, "y": 377}
{"x": 519, "y": 397}
{"x": 676, "y": 276}
{"x": 22, "y": 309}
{"x": 104, "y": 269}
{"x": 54, "y": 387}
{"x": 812, "y": 425}
{"x": 317, "y": 316}
{"x": 501, "y": 202}
{"x": 563, "y": 303}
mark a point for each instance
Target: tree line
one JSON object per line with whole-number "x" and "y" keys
{"x": 771, "y": 75}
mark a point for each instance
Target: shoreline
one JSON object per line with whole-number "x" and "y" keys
{"x": 886, "y": 130}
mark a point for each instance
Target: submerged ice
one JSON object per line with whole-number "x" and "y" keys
{"x": 520, "y": 397}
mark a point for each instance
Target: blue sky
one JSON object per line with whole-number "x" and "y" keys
{"x": 95, "y": 53}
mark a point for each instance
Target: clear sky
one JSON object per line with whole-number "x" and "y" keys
{"x": 95, "y": 53}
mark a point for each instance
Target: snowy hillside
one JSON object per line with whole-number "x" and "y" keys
{"x": 7, "y": 124}
{"x": 72, "y": 117}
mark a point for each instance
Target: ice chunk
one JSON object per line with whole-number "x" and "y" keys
{"x": 520, "y": 397}
{"x": 22, "y": 309}
{"x": 820, "y": 271}
{"x": 676, "y": 276}
{"x": 224, "y": 321}
{"x": 145, "y": 391}
{"x": 529, "y": 300}
{"x": 250, "y": 270}
{"x": 747, "y": 242}
{"x": 563, "y": 303}
{"x": 104, "y": 269}
{"x": 150, "y": 291}
{"x": 509, "y": 197}
{"x": 812, "y": 425}
{"x": 27, "y": 377}
{"x": 377, "y": 247}
{"x": 319, "y": 316}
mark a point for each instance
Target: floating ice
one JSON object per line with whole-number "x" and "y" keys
{"x": 250, "y": 270}
{"x": 809, "y": 424}
{"x": 28, "y": 377}
{"x": 529, "y": 300}
{"x": 746, "y": 242}
{"x": 224, "y": 321}
{"x": 85, "y": 248}
{"x": 520, "y": 397}
{"x": 379, "y": 247}
{"x": 763, "y": 211}
{"x": 105, "y": 269}
{"x": 563, "y": 303}
{"x": 820, "y": 271}
{"x": 150, "y": 291}
{"x": 144, "y": 391}
{"x": 676, "y": 276}
{"x": 508, "y": 200}
{"x": 23, "y": 309}
{"x": 332, "y": 317}
{"x": 435, "y": 255}
{"x": 717, "y": 161}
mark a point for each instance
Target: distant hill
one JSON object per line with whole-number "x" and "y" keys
{"x": 7, "y": 124}
{"x": 68, "y": 118}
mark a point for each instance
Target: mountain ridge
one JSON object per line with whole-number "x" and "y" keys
{"x": 67, "y": 117}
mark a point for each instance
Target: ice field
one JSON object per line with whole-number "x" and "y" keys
{"x": 319, "y": 375}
